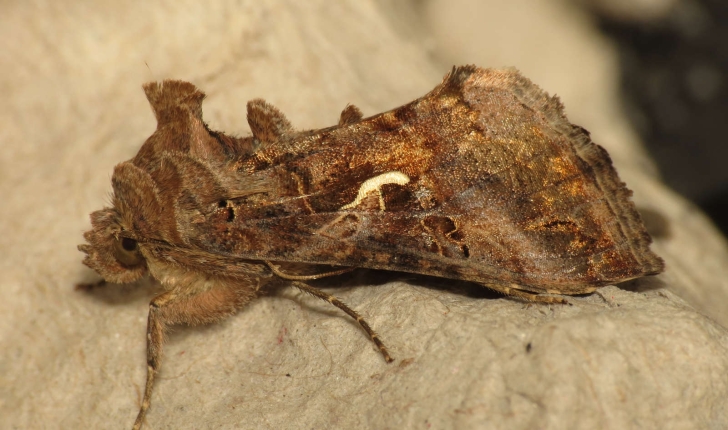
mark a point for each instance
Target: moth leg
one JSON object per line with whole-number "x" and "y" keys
{"x": 171, "y": 308}
{"x": 514, "y": 291}
{"x": 90, "y": 286}
{"x": 339, "y": 304}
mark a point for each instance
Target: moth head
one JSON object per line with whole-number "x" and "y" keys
{"x": 112, "y": 250}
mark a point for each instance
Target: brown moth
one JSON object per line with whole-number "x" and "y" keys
{"x": 483, "y": 179}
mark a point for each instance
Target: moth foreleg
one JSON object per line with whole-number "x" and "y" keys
{"x": 90, "y": 285}
{"x": 352, "y": 313}
{"x": 175, "y": 307}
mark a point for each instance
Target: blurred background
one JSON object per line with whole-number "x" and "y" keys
{"x": 673, "y": 72}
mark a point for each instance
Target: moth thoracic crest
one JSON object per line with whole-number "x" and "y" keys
{"x": 483, "y": 179}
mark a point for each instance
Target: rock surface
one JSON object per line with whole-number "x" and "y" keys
{"x": 652, "y": 353}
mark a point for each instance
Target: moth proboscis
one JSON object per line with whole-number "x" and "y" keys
{"x": 483, "y": 179}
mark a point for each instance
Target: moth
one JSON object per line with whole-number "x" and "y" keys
{"x": 483, "y": 179}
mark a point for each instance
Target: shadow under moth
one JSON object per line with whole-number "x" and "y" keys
{"x": 483, "y": 179}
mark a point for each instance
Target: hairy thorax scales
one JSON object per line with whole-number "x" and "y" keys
{"x": 173, "y": 277}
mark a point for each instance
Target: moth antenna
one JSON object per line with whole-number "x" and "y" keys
{"x": 352, "y": 313}
{"x": 276, "y": 271}
{"x": 515, "y": 291}
{"x": 350, "y": 115}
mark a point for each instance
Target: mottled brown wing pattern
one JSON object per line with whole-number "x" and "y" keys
{"x": 448, "y": 185}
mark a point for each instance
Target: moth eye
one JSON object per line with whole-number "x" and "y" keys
{"x": 128, "y": 244}
{"x": 127, "y": 252}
